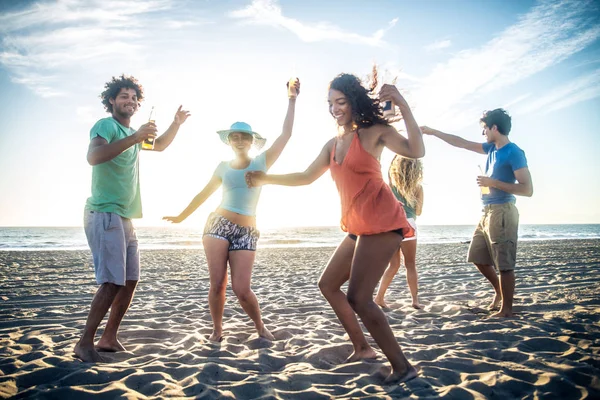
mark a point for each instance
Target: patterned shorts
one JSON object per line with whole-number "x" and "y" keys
{"x": 239, "y": 237}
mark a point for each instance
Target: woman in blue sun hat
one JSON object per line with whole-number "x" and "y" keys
{"x": 230, "y": 234}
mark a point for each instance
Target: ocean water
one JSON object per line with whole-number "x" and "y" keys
{"x": 73, "y": 238}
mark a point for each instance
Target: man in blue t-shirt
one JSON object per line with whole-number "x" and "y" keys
{"x": 113, "y": 153}
{"x": 494, "y": 243}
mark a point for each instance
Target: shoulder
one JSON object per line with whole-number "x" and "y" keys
{"x": 378, "y": 129}
{"x": 105, "y": 123}
{"x": 488, "y": 147}
{"x": 221, "y": 168}
{"x": 514, "y": 150}
{"x": 329, "y": 145}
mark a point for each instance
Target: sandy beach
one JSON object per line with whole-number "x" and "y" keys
{"x": 551, "y": 349}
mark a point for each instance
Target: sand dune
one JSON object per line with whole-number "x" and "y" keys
{"x": 550, "y": 350}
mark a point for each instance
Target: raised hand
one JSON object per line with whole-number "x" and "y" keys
{"x": 181, "y": 116}
{"x": 391, "y": 93}
{"x": 255, "y": 178}
{"x": 292, "y": 94}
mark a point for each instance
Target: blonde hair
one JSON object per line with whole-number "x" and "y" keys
{"x": 406, "y": 175}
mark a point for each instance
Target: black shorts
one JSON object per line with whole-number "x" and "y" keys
{"x": 398, "y": 231}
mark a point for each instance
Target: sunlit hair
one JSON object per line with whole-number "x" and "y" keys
{"x": 406, "y": 175}
{"x": 366, "y": 110}
{"x": 114, "y": 86}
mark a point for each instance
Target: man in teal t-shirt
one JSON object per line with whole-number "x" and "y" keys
{"x": 494, "y": 242}
{"x": 114, "y": 155}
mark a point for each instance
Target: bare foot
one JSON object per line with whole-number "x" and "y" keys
{"x": 495, "y": 304}
{"x": 265, "y": 334}
{"x": 87, "y": 353}
{"x": 216, "y": 336}
{"x": 503, "y": 314}
{"x": 110, "y": 346}
{"x": 404, "y": 376}
{"x": 380, "y": 302}
{"x": 365, "y": 354}
{"x": 417, "y": 305}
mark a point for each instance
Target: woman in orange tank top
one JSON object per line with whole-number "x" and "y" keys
{"x": 375, "y": 221}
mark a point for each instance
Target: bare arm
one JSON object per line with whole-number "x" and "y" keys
{"x": 100, "y": 151}
{"x": 419, "y": 205}
{"x": 454, "y": 140}
{"x": 413, "y": 147}
{"x": 523, "y": 187}
{"x": 165, "y": 140}
{"x": 275, "y": 150}
{"x": 311, "y": 174}
{"x": 197, "y": 201}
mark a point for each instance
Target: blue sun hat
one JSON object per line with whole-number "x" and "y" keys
{"x": 258, "y": 141}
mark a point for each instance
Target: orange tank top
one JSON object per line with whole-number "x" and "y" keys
{"x": 368, "y": 204}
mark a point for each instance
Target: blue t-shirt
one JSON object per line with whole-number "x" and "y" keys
{"x": 237, "y": 196}
{"x": 501, "y": 164}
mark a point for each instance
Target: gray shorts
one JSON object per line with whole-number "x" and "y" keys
{"x": 114, "y": 246}
{"x": 495, "y": 238}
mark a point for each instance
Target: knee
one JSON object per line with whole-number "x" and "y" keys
{"x": 243, "y": 293}
{"x": 356, "y": 301}
{"x": 218, "y": 288}
{"x": 326, "y": 288}
{"x": 109, "y": 287}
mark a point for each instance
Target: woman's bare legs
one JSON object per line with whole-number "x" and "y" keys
{"x": 334, "y": 276}
{"x": 242, "y": 262}
{"x": 371, "y": 258}
{"x": 409, "y": 249}
{"x": 388, "y": 277}
{"x": 217, "y": 255}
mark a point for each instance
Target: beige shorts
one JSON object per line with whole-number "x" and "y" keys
{"x": 114, "y": 246}
{"x": 495, "y": 238}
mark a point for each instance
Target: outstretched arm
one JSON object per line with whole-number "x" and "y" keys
{"x": 311, "y": 174}
{"x": 275, "y": 150}
{"x": 164, "y": 140}
{"x": 454, "y": 140}
{"x": 523, "y": 187}
{"x": 413, "y": 147}
{"x": 200, "y": 198}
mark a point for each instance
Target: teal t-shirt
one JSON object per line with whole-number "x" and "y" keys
{"x": 116, "y": 183}
{"x": 237, "y": 196}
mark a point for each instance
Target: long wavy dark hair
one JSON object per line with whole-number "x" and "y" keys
{"x": 366, "y": 110}
{"x": 114, "y": 86}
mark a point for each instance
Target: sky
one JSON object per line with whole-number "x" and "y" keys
{"x": 229, "y": 60}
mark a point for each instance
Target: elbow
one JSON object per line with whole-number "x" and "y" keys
{"x": 418, "y": 153}
{"x": 92, "y": 160}
{"x": 529, "y": 192}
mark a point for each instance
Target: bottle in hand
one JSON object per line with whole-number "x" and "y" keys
{"x": 148, "y": 144}
{"x": 292, "y": 88}
{"x": 388, "y": 109}
{"x": 483, "y": 189}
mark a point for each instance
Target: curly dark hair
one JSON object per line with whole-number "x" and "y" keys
{"x": 366, "y": 110}
{"x": 114, "y": 86}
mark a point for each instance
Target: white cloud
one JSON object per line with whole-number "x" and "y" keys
{"x": 268, "y": 12}
{"x": 439, "y": 45}
{"x": 584, "y": 88}
{"x": 548, "y": 34}
{"x": 61, "y": 37}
